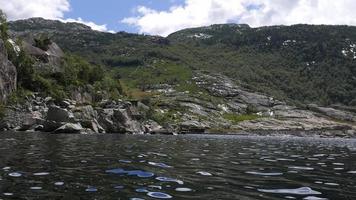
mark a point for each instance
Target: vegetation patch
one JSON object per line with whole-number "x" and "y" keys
{"x": 236, "y": 118}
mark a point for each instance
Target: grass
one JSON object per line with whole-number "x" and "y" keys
{"x": 235, "y": 118}
{"x": 2, "y": 111}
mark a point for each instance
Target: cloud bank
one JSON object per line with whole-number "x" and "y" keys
{"x": 253, "y": 12}
{"x": 48, "y": 9}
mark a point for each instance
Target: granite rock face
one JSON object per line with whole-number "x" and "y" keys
{"x": 8, "y": 74}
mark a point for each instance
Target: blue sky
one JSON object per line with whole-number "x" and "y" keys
{"x": 163, "y": 17}
{"x": 113, "y": 11}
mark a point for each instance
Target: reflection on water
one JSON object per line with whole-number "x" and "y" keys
{"x": 41, "y": 166}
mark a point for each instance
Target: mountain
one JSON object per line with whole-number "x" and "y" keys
{"x": 226, "y": 77}
{"x": 299, "y": 64}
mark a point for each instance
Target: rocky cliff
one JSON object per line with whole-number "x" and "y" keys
{"x": 8, "y": 74}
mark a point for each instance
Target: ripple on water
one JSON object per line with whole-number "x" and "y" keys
{"x": 159, "y": 195}
{"x": 166, "y": 179}
{"x": 138, "y": 173}
{"x": 59, "y": 183}
{"x": 301, "y": 168}
{"x": 119, "y": 187}
{"x": 183, "y": 189}
{"x": 204, "y": 173}
{"x": 36, "y": 188}
{"x": 125, "y": 161}
{"x": 331, "y": 184}
{"x": 159, "y": 165}
{"x": 264, "y": 174}
{"x": 297, "y": 191}
{"x": 142, "y": 190}
{"x": 314, "y": 198}
{"x": 15, "y": 174}
{"x": 41, "y": 174}
{"x": 91, "y": 189}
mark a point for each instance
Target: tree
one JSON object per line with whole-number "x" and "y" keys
{"x": 3, "y": 26}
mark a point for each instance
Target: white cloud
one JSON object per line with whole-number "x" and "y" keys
{"x": 253, "y": 12}
{"x": 48, "y": 9}
{"x": 22, "y": 9}
{"x": 102, "y": 28}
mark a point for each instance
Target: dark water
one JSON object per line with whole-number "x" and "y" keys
{"x": 40, "y": 166}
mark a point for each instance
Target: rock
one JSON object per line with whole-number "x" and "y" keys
{"x": 69, "y": 128}
{"x": 193, "y": 127}
{"x": 50, "y": 126}
{"x": 31, "y": 121}
{"x": 84, "y": 113}
{"x": 57, "y": 114}
{"x": 333, "y": 113}
{"x": 153, "y": 127}
{"x": 8, "y": 74}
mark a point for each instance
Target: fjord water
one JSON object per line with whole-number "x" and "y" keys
{"x": 42, "y": 166}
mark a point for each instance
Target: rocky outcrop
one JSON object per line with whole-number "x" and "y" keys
{"x": 47, "y": 61}
{"x": 334, "y": 113}
{"x": 8, "y": 74}
{"x": 43, "y": 114}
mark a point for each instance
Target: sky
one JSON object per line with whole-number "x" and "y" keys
{"x": 162, "y": 17}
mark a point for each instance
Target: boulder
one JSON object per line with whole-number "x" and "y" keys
{"x": 58, "y": 114}
{"x": 50, "y": 126}
{"x": 193, "y": 126}
{"x": 69, "y": 128}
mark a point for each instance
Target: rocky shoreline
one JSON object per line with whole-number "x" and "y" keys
{"x": 39, "y": 114}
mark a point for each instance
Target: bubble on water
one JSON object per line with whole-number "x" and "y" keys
{"x": 141, "y": 174}
{"x": 331, "y": 184}
{"x": 204, "y": 173}
{"x": 297, "y": 191}
{"x": 159, "y": 165}
{"x": 36, "y": 188}
{"x": 15, "y": 174}
{"x": 125, "y": 161}
{"x": 314, "y": 198}
{"x": 159, "y": 195}
{"x": 41, "y": 174}
{"x": 285, "y": 159}
{"x": 301, "y": 168}
{"x": 338, "y": 168}
{"x": 319, "y": 155}
{"x": 155, "y": 187}
{"x": 142, "y": 190}
{"x": 264, "y": 174}
{"x": 166, "y": 179}
{"x": 91, "y": 189}
{"x": 119, "y": 187}
{"x": 339, "y": 164}
{"x": 138, "y": 173}
{"x": 183, "y": 189}
{"x": 158, "y": 154}
{"x": 59, "y": 183}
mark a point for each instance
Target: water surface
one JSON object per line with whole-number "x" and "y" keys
{"x": 42, "y": 166}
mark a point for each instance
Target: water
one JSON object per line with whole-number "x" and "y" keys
{"x": 41, "y": 166}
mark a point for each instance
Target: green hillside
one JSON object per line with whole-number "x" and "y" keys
{"x": 300, "y": 63}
